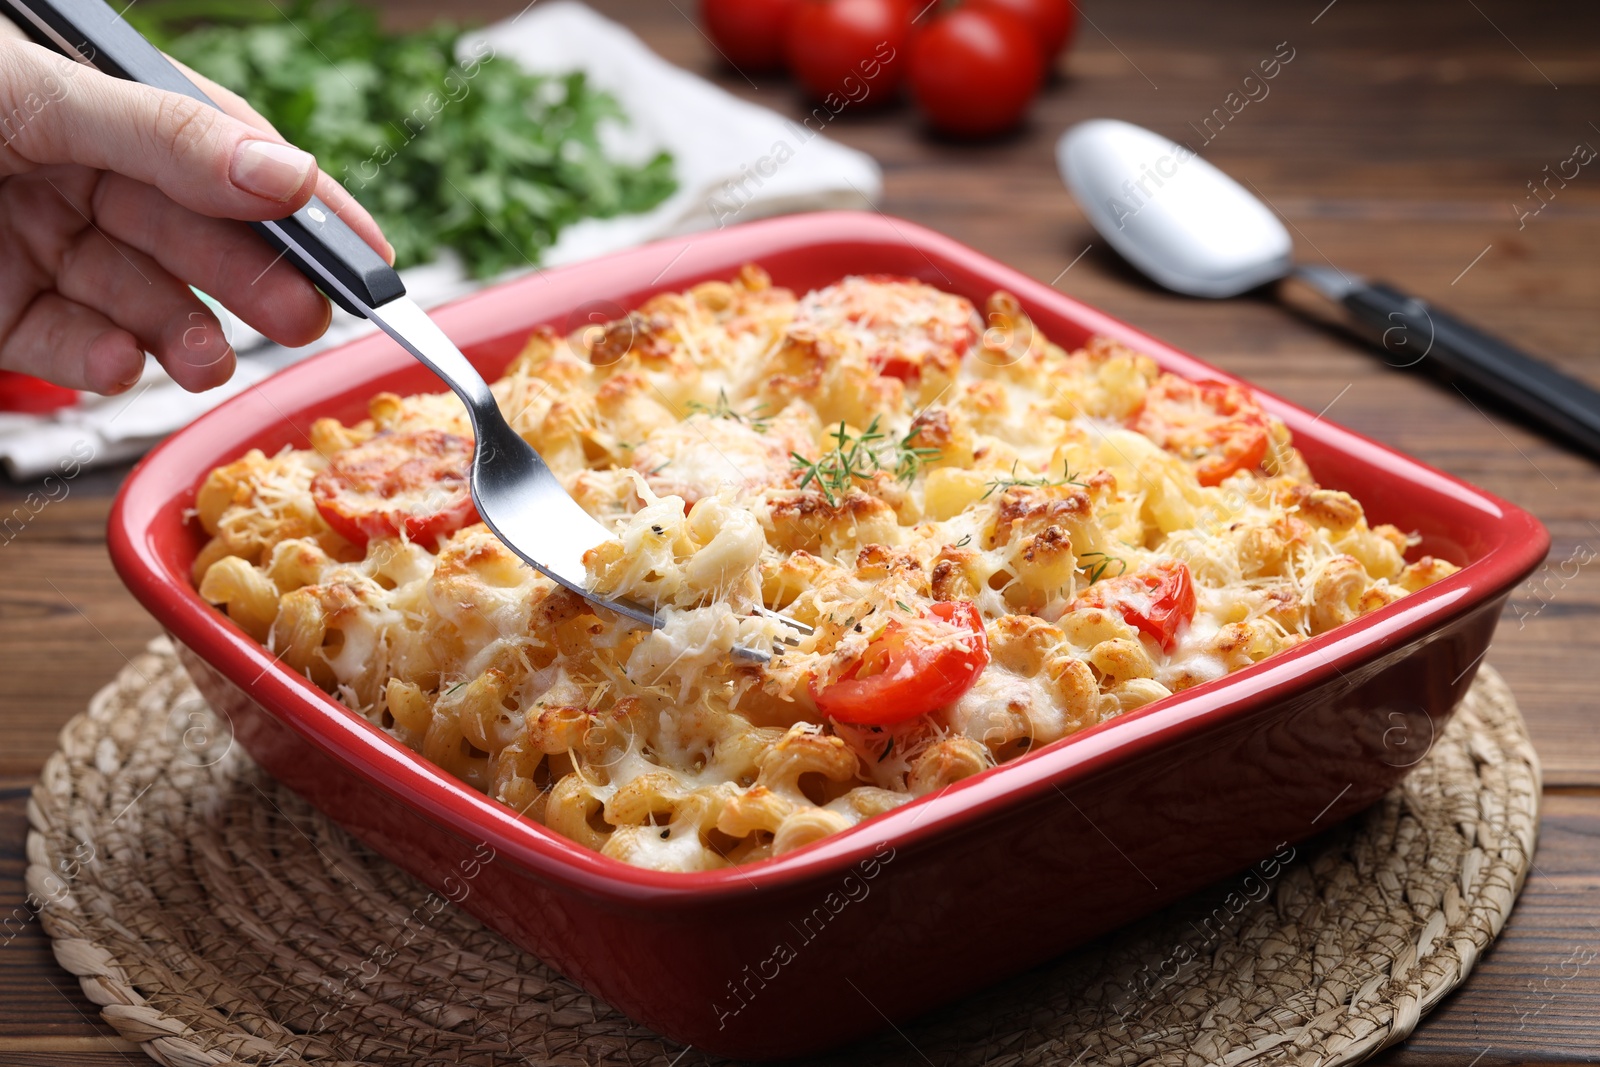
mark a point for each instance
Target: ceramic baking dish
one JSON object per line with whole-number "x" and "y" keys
{"x": 934, "y": 899}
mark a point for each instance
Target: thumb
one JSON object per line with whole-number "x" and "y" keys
{"x": 201, "y": 158}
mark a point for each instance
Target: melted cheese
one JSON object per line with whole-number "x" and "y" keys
{"x": 849, "y": 456}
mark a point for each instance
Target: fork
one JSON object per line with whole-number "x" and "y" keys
{"x": 517, "y": 495}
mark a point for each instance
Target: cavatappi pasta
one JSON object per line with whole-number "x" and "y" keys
{"x": 999, "y": 542}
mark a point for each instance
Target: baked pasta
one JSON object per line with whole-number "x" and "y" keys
{"x": 999, "y": 542}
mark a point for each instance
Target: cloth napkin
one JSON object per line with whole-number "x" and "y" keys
{"x": 734, "y": 161}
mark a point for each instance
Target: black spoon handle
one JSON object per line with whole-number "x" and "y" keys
{"x": 1415, "y": 333}
{"x": 90, "y": 30}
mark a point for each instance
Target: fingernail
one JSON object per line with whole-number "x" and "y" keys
{"x": 266, "y": 168}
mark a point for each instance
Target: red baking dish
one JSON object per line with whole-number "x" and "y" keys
{"x": 937, "y": 898}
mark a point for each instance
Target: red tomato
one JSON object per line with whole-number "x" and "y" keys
{"x": 1051, "y": 22}
{"x": 34, "y": 396}
{"x": 748, "y": 33}
{"x": 849, "y": 52}
{"x": 1216, "y": 426}
{"x": 415, "y": 480}
{"x": 1157, "y": 601}
{"x": 912, "y": 668}
{"x": 975, "y": 71}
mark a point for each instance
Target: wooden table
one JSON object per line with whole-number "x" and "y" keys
{"x": 1396, "y": 143}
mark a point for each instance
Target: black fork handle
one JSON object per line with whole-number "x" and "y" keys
{"x": 92, "y": 32}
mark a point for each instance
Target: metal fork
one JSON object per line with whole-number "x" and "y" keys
{"x": 517, "y": 495}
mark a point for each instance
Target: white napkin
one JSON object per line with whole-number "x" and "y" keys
{"x": 734, "y": 161}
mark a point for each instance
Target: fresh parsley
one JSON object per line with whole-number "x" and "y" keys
{"x": 478, "y": 155}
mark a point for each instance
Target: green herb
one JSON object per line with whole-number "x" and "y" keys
{"x": 1097, "y": 570}
{"x": 903, "y": 606}
{"x": 857, "y": 457}
{"x": 909, "y": 458}
{"x": 478, "y": 155}
{"x": 966, "y": 540}
{"x": 723, "y": 409}
{"x": 887, "y": 749}
{"x": 1011, "y": 481}
{"x": 453, "y": 688}
{"x": 663, "y": 466}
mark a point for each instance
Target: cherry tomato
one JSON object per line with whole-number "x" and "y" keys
{"x": 1158, "y": 600}
{"x": 1052, "y": 22}
{"x": 748, "y": 33}
{"x": 903, "y": 324}
{"x": 912, "y": 668}
{"x": 33, "y": 396}
{"x": 1216, "y": 426}
{"x": 849, "y": 53}
{"x": 415, "y": 480}
{"x": 975, "y": 70}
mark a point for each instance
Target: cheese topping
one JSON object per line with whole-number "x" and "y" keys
{"x": 855, "y": 457}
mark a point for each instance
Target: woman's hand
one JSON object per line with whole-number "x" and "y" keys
{"x": 115, "y": 198}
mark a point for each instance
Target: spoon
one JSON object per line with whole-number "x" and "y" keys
{"x": 1194, "y": 230}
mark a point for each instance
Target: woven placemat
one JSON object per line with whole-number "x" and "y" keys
{"x": 217, "y": 918}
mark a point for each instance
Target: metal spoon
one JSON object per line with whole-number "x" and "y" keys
{"x": 1194, "y": 230}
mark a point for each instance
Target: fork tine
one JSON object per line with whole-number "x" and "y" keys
{"x": 794, "y": 624}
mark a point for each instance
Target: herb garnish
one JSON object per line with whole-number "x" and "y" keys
{"x": 887, "y": 749}
{"x": 857, "y": 457}
{"x": 903, "y": 606}
{"x": 1097, "y": 570}
{"x": 1012, "y": 481}
{"x": 723, "y": 409}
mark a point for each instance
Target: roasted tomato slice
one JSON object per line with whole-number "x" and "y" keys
{"x": 1158, "y": 600}
{"x": 411, "y": 480}
{"x": 1216, "y": 426}
{"x": 913, "y": 667}
{"x": 903, "y": 325}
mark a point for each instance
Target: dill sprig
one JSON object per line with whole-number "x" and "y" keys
{"x": 724, "y": 409}
{"x": 1098, "y": 569}
{"x": 1011, "y": 481}
{"x": 857, "y": 457}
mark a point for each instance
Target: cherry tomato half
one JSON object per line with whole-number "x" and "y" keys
{"x": 748, "y": 33}
{"x": 849, "y": 53}
{"x": 33, "y": 396}
{"x": 975, "y": 70}
{"x": 903, "y": 324}
{"x": 1052, "y": 22}
{"x": 411, "y": 480}
{"x": 912, "y": 668}
{"x": 1158, "y": 600}
{"x": 1216, "y": 426}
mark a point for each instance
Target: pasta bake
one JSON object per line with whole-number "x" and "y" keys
{"x": 997, "y": 541}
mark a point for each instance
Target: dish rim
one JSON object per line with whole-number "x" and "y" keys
{"x": 1515, "y": 540}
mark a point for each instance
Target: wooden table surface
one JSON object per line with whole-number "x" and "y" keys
{"x": 1395, "y": 143}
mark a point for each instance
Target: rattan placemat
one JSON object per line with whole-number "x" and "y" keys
{"x": 218, "y": 919}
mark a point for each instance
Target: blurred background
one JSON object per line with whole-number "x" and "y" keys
{"x": 1412, "y": 142}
